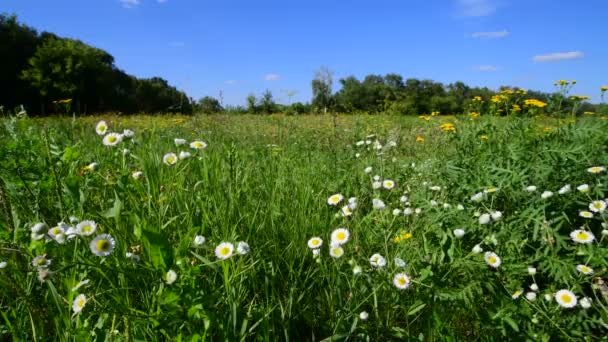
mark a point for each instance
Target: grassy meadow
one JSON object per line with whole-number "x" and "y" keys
{"x": 455, "y": 228}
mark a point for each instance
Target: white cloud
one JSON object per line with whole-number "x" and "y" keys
{"x": 485, "y": 68}
{"x": 490, "y": 34}
{"x": 177, "y": 44}
{"x": 477, "y": 8}
{"x": 129, "y": 3}
{"x": 231, "y": 82}
{"x": 272, "y": 77}
{"x": 558, "y": 56}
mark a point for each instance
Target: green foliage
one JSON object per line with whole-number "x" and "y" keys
{"x": 209, "y": 105}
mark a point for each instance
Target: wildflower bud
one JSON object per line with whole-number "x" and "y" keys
{"x": 531, "y": 270}
{"x": 363, "y": 315}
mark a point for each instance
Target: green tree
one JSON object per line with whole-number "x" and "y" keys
{"x": 267, "y": 104}
{"x": 322, "y": 89}
{"x": 251, "y": 104}
{"x": 210, "y": 105}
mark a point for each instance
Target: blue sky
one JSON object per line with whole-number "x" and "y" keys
{"x": 242, "y": 47}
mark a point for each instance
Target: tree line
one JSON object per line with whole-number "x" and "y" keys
{"x": 48, "y": 74}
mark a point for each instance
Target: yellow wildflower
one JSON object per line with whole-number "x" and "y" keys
{"x": 535, "y": 103}
{"x": 424, "y": 117}
{"x": 484, "y": 137}
{"x": 479, "y": 99}
{"x": 448, "y": 127}
{"x": 603, "y": 88}
{"x": 419, "y": 139}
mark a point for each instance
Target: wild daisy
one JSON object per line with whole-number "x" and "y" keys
{"x": 86, "y": 228}
{"x": 184, "y": 155}
{"x": 517, "y": 294}
{"x": 79, "y": 302}
{"x": 388, "y": 184}
{"x": 582, "y": 236}
{"x": 433, "y": 203}
{"x": 596, "y": 169}
{"x": 531, "y": 188}
{"x": 534, "y": 287}
{"x": 41, "y": 261}
{"x": 346, "y": 211}
{"x": 496, "y": 215}
{"x": 315, "y": 242}
{"x": 403, "y": 199}
{"x": 460, "y": 207}
{"x": 447, "y": 205}
{"x": 484, "y": 219}
{"x": 477, "y": 249}
{"x": 401, "y": 281}
{"x": 335, "y": 251}
{"x": 137, "y": 175}
{"x": 396, "y": 212}
{"x": 352, "y": 203}
{"x": 316, "y": 252}
{"x": 586, "y": 270}
{"x": 102, "y": 245}
{"x": 335, "y": 199}
{"x": 243, "y": 248}
{"x": 583, "y": 188}
{"x": 170, "y": 159}
{"x": 357, "y": 270}
{"x": 101, "y": 128}
{"x": 112, "y": 139}
{"x": 531, "y": 270}
{"x": 585, "y": 214}
{"x": 3, "y": 264}
{"x": 368, "y": 169}
{"x": 377, "y": 261}
{"x": 360, "y": 143}
{"x": 57, "y": 234}
{"x": 38, "y": 227}
{"x": 399, "y": 262}
{"x": 531, "y": 296}
{"x": 546, "y": 194}
{"x": 127, "y": 133}
{"x": 224, "y": 250}
{"x": 340, "y": 236}
{"x": 597, "y": 206}
{"x": 458, "y": 233}
{"x": 408, "y": 211}
{"x": 170, "y": 277}
{"x": 477, "y": 197}
{"x": 492, "y": 259}
{"x": 376, "y": 185}
{"x": 199, "y": 240}
{"x": 378, "y": 204}
{"x": 435, "y": 188}
{"x": 198, "y": 145}
{"x": 564, "y": 189}
{"x": 179, "y": 141}
{"x": 565, "y": 299}
{"x": 417, "y": 211}
{"x": 363, "y": 316}
{"x": 585, "y": 302}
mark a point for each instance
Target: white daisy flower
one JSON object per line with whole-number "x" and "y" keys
{"x": 435, "y": 188}
{"x": 546, "y": 194}
{"x": 585, "y": 214}
{"x": 447, "y": 205}
{"x": 484, "y": 219}
{"x": 79, "y": 302}
{"x": 363, "y": 316}
{"x": 534, "y": 287}
{"x": 102, "y": 245}
{"x": 335, "y": 251}
{"x": 352, "y": 203}
{"x": 316, "y": 252}
{"x": 596, "y": 169}
{"x": 357, "y": 155}
{"x": 378, "y": 204}
{"x": 403, "y": 199}
{"x": 477, "y": 249}
{"x": 477, "y": 197}
{"x": 41, "y": 261}
{"x": 433, "y": 203}
{"x": 179, "y": 141}
{"x": 199, "y": 240}
{"x": 531, "y": 296}
{"x": 388, "y": 184}
{"x": 170, "y": 159}
{"x": 585, "y": 302}
{"x": 73, "y": 219}
{"x": 57, "y": 234}
{"x": 458, "y": 233}
{"x": 360, "y": 143}
{"x": 39, "y": 227}
{"x": 417, "y": 211}
{"x": 376, "y": 185}
{"x": 597, "y": 206}
{"x": 224, "y": 250}
{"x": 586, "y": 270}
{"x": 517, "y": 294}
{"x": 401, "y": 281}
{"x": 604, "y": 232}
{"x": 564, "y": 189}
{"x": 112, "y": 139}
{"x": 127, "y": 133}
{"x": 80, "y": 284}
{"x": 368, "y": 169}
{"x": 531, "y": 270}
{"x": 492, "y": 259}
{"x": 582, "y": 236}
{"x": 376, "y": 178}
{"x": 357, "y": 270}
{"x": 335, "y": 199}
{"x": 170, "y": 277}
{"x": 86, "y": 228}
{"x": 3, "y": 264}
{"x": 198, "y": 145}
{"x": 243, "y": 248}
{"x": 367, "y": 142}
{"x": 548, "y": 297}
{"x": 396, "y": 212}
{"x": 583, "y": 188}
{"x": 340, "y": 236}
{"x": 408, "y": 211}
{"x": 101, "y": 128}
{"x": 460, "y": 207}
{"x": 315, "y": 242}
{"x": 399, "y": 262}
{"x": 531, "y": 188}
{"x": 377, "y": 261}
{"x": 137, "y": 174}
{"x": 184, "y": 155}
{"x": 496, "y": 215}
{"x": 565, "y": 299}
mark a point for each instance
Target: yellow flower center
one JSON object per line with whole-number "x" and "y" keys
{"x": 225, "y": 251}
{"x": 41, "y": 261}
{"x": 81, "y": 302}
{"x": 102, "y": 128}
{"x": 582, "y": 236}
{"x": 86, "y": 228}
{"x": 585, "y": 269}
{"x": 314, "y": 242}
{"x": 341, "y": 236}
{"x": 171, "y": 160}
{"x": 492, "y": 260}
{"x": 103, "y": 245}
{"x": 566, "y": 298}
{"x": 402, "y": 281}
{"x": 111, "y": 139}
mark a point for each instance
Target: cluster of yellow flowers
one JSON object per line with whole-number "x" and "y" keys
{"x": 424, "y": 117}
{"x": 402, "y": 237}
{"x": 535, "y": 103}
{"x": 564, "y": 82}
{"x": 448, "y": 127}
{"x": 474, "y": 115}
{"x": 478, "y": 99}
{"x": 579, "y": 97}
{"x": 434, "y": 113}
{"x": 499, "y": 98}
{"x": 516, "y": 108}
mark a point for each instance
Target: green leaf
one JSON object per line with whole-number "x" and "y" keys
{"x": 115, "y": 210}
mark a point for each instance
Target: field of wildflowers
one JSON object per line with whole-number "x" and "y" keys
{"x": 472, "y": 227}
